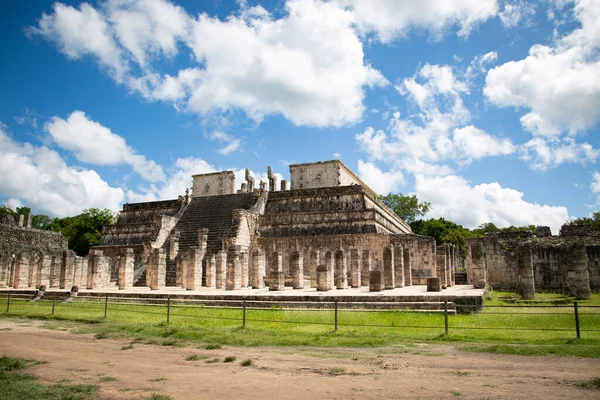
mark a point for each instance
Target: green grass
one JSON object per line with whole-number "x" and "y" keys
{"x": 593, "y": 383}
{"x": 229, "y": 359}
{"x": 155, "y": 396}
{"x": 18, "y": 385}
{"x": 107, "y": 379}
{"x": 196, "y": 357}
{"x": 247, "y": 363}
{"x": 544, "y": 330}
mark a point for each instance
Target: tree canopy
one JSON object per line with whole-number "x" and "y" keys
{"x": 407, "y": 207}
{"x": 594, "y": 221}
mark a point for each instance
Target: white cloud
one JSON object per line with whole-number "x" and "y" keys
{"x": 81, "y": 32}
{"x": 95, "y": 144}
{"x": 390, "y": 19}
{"x": 516, "y": 11}
{"x": 595, "y": 185}
{"x": 307, "y": 65}
{"x": 559, "y": 84}
{"x": 381, "y": 182}
{"x": 40, "y": 178}
{"x": 543, "y": 153}
{"x": 454, "y": 198}
{"x": 231, "y": 144}
{"x": 437, "y": 134}
{"x": 147, "y": 28}
{"x": 473, "y": 143}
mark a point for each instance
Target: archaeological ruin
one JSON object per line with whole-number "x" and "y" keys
{"x": 327, "y": 231}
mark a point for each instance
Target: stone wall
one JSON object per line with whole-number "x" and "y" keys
{"x": 525, "y": 262}
{"x": 213, "y": 184}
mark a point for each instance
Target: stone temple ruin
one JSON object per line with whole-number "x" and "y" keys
{"x": 327, "y": 231}
{"x": 525, "y": 261}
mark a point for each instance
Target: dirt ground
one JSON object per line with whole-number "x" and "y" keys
{"x": 407, "y": 372}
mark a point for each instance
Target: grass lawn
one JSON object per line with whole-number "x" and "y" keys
{"x": 506, "y": 325}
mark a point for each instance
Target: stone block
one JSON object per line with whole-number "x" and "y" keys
{"x": 375, "y": 281}
{"x": 323, "y": 282}
{"x": 434, "y": 284}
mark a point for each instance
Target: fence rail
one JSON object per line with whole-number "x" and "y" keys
{"x": 328, "y": 313}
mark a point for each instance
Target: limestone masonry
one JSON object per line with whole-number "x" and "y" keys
{"x": 327, "y": 231}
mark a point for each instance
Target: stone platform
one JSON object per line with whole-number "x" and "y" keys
{"x": 410, "y": 297}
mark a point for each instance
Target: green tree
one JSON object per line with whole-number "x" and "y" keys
{"x": 409, "y": 208}
{"x": 442, "y": 231}
{"x": 84, "y": 230}
{"x": 593, "y": 220}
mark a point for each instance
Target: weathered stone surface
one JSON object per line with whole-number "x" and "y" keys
{"x": 355, "y": 268}
{"x": 388, "y": 267}
{"x": 434, "y": 284}
{"x": 341, "y": 270}
{"x": 234, "y": 270}
{"x": 297, "y": 270}
{"x": 323, "y": 281}
{"x": 276, "y": 277}
{"x": 126, "y": 269}
{"x": 211, "y": 271}
{"x": 375, "y": 281}
{"x": 221, "y": 269}
{"x": 157, "y": 269}
{"x": 258, "y": 269}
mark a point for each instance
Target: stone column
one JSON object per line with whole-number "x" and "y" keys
{"x": 67, "y": 270}
{"x": 524, "y": 284}
{"x": 211, "y": 271}
{"x": 407, "y": 268}
{"x": 276, "y": 272}
{"x": 174, "y": 245}
{"x": 43, "y": 277}
{"x": 388, "y": 267}
{"x": 341, "y": 270}
{"x": 478, "y": 267}
{"x": 34, "y": 265}
{"x": 375, "y": 281}
{"x": 355, "y": 264}
{"x": 126, "y": 264}
{"x": 220, "y": 269}
{"x": 297, "y": 269}
{"x": 82, "y": 264}
{"x": 314, "y": 263}
{"x": 98, "y": 270}
{"x": 398, "y": 267}
{"x": 329, "y": 265}
{"x": 21, "y": 272}
{"x": 245, "y": 278}
{"x": 441, "y": 265}
{"x": 194, "y": 268}
{"x": 365, "y": 268}
{"x": 5, "y": 260}
{"x": 577, "y": 278}
{"x": 258, "y": 269}
{"x": 157, "y": 269}
{"x": 55, "y": 272}
{"x": 234, "y": 270}
{"x": 323, "y": 283}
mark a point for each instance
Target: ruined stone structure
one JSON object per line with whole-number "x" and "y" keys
{"x": 526, "y": 261}
{"x": 30, "y": 257}
{"x": 328, "y": 231}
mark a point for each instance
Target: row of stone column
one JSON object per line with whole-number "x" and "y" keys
{"x": 447, "y": 261}
{"x": 59, "y": 271}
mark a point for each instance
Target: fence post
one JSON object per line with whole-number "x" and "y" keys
{"x": 168, "y": 308}
{"x": 577, "y": 320}
{"x": 244, "y": 315}
{"x": 336, "y": 315}
{"x": 53, "y": 303}
{"x": 446, "y": 317}
{"x": 106, "y": 305}
{"x": 8, "y": 303}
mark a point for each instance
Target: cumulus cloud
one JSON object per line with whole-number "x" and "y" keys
{"x": 543, "y": 153}
{"x": 381, "y": 182}
{"x": 390, "y": 19}
{"x": 454, "y": 198}
{"x": 516, "y": 12}
{"x": 438, "y": 133}
{"x": 558, "y": 84}
{"x": 307, "y": 65}
{"x": 40, "y": 178}
{"x": 95, "y": 144}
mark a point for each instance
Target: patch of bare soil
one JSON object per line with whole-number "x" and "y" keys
{"x": 420, "y": 372}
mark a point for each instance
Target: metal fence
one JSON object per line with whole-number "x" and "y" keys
{"x": 560, "y": 318}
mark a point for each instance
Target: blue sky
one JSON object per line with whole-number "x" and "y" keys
{"x": 488, "y": 109}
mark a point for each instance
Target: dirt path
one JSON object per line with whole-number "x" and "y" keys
{"x": 293, "y": 373}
